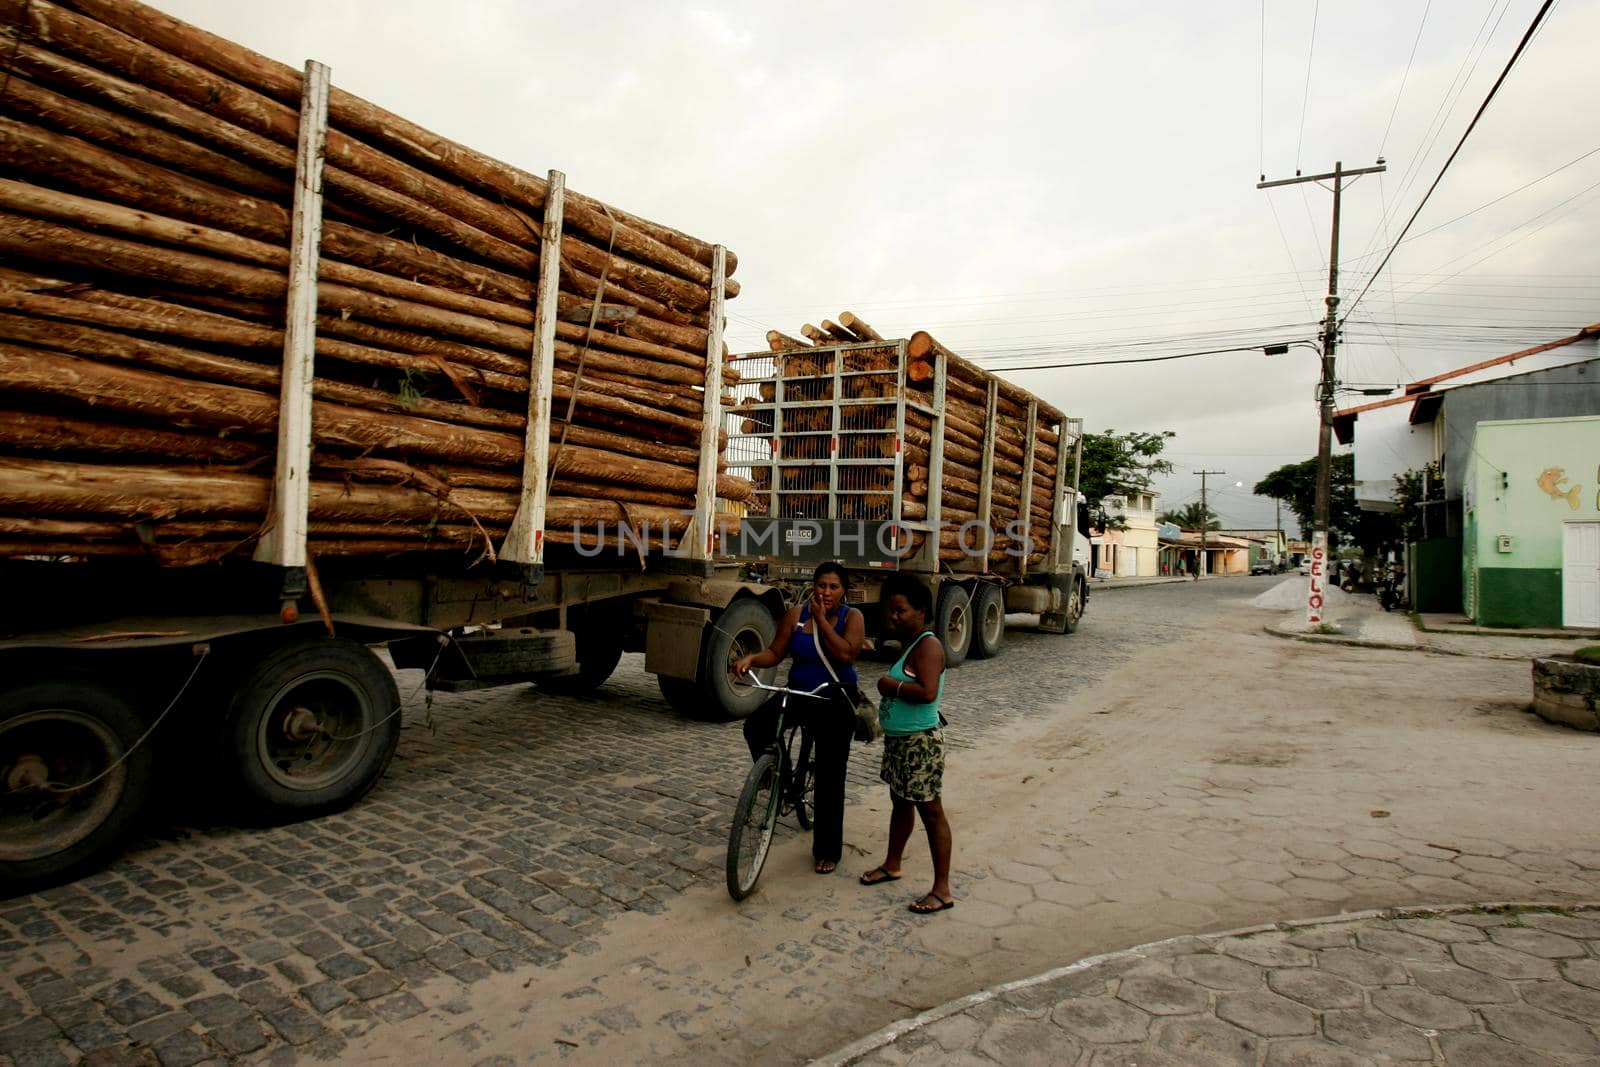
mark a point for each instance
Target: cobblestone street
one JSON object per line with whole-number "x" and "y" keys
{"x": 542, "y": 877}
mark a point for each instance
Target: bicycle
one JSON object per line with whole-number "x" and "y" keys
{"x": 777, "y": 784}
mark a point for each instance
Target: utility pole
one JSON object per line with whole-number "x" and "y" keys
{"x": 1205, "y": 524}
{"x": 1278, "y": 548}
{"x": 1330, "y": 338}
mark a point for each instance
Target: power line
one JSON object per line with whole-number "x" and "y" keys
{"x": 1504, "y": 196}
{"x": 1142, "y": 359}
{"x": 1404, "y": 77}
{"x": 1440, "y": 116}
{"x": 1306, "y": 97}
{"x": 1526, "y": 37}
{"x": 1261, "y": 117}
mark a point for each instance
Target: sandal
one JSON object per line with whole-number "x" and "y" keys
{"x": 825, "y": 867}
{"x": 944, "y": 905}
{"x": 867, "y": 879}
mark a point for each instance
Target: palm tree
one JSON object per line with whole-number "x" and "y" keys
{"x": 1190, "y": 517}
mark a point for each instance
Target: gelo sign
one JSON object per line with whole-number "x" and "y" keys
{"x": 1318, "y": 583}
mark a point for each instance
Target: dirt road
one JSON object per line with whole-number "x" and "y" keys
{"x": 1215, "y": 780}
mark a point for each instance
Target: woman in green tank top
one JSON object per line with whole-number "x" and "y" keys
{"x": 913, "y": 746}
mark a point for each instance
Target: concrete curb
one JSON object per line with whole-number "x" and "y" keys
{"x": 894, "y": 1031}
{"x": 1105, "y": 586}
{"x": 1357, "y": 642}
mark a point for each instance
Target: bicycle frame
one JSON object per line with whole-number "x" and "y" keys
{"x": 784, "y": 783}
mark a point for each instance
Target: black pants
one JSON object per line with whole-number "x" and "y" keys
{"x": 832, "y": 729}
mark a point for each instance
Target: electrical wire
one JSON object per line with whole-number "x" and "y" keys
{"x": 1141, "y": 359}
{"x": 1306, "y": 97}
{"x": 1512, "y": 62}
{"x": 1440, "y": 117}
{"x": 1261, "y": 117}
{"x": 1404, "y": 77}
{"x": 1503, "y": 196}
{"x": 1548, "y": 211}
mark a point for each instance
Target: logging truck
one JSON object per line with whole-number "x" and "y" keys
{"x": 287, "y": 382}
{"x": 901, "y": 456}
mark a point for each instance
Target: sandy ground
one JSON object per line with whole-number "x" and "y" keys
{"x": 1225, "y": 779}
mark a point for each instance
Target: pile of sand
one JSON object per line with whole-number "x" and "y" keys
{"x": 1291, "y": 593}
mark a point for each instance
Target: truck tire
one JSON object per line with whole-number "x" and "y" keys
{"x": 63, "y": 733}
{"x": 599, "y": 643}
{"x": 313, "y": 726}
{"x": 1075, "y": 604}
{"x": 745, "y": 627}
{"x": 683, "y": 694}
{"x": 988, "y": 621}
{"x": 953, "y": 623}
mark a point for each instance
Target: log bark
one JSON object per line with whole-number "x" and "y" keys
{"x": 782, "y": 342}
{"x": 45, "y": 488}
{"x": 207, "y": 53}
{"x": 838, "y": 334}
{"x": 28, "y": 431}
{"x": 858, "y": 326}
{"x": 921, "y": 343}
{"x": 120, "y": 133}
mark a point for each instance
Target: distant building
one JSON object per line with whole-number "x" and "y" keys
{"x": 1269, "y": 545}
{"x": 1436, "y": 427}
{"x": 1531, "y": 515}
{"x": 1134, "y": 549}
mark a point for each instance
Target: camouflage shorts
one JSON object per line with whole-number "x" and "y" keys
{"x": 913, "y": 765}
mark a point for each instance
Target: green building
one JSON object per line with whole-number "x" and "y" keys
{"x": 1531, "y": 523}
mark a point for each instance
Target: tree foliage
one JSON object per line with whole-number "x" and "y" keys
{"x": 1121, "y": 464}
{"x": 1412, "y": 490}
{"x": 1296, "y": 485}
{"x": 1190, "y": 517}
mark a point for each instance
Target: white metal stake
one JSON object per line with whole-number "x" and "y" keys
{"x": 524, "y": 541}
{"x": 284, "y": 542}
{"x": 701, "y": 532}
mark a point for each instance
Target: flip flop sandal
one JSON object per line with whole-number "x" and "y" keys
{"x": 944, "y": 905}
{"x": 817, "y": 867}
{"x": 887, "y": 877}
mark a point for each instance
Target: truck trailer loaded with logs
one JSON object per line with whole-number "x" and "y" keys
{"x": 285, "y": 377}
{"x": 899, "y": 455}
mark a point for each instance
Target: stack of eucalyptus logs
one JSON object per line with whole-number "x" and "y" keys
{"x": 144, "y": 229}
{"x": 805, "y": 367}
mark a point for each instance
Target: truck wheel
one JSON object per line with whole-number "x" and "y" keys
{"x": 682, "y": 693}
{"x": 1075, "y": 605}
{"x": 313, "y": 727}
{"x": 953, "y": 622}
{"x": 55, "y": 736}
{"x": 988, "y": 621}
{"x": 745, "y": 627}
{"x": 599, "y": 651}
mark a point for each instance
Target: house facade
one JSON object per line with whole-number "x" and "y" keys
{"x": 1268, "y": 545}
{"x": 1531, "y": 516}
{"x": 1134, "y": 550}
{"x": 1435, "y": 424}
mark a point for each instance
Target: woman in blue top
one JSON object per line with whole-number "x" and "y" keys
{"x": 913, "y": 746}
{"x": 826, "y": 621}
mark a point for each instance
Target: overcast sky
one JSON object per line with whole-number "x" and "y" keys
{"x": 1052, "y": 182}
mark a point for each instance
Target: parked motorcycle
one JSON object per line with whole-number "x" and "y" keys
{"x": 1392, "y": 589}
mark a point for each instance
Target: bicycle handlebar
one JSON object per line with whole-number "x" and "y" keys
{"x": 756, "y": 683}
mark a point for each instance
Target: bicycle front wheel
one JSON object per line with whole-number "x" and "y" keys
{"x": 754, "y": 819}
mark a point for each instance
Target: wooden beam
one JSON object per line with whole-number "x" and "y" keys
{"x": 524, "y": 542}
{"x": 284, "y": 543}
